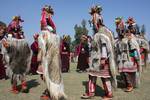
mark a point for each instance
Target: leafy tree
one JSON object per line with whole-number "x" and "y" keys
{"x": 79, "y": 31}
{"x": 143, "y": 30}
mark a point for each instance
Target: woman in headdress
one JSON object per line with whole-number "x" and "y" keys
{"x": 65, "y": 54}
{"x": 15, "y": 29}
{"x": 101, "y": 62}
{"x": 83, "y": 54}
{"x": 34, "y": 48}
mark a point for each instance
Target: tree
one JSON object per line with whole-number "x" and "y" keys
{"x": 79, "y": 31}
{"x": 143, "y": 30}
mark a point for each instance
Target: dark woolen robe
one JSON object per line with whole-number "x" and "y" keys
{"x": 65, "y": 56}
{"x": 83, "y": 57}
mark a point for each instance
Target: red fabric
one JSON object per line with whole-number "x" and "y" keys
{"x": 34, "y": 47}
{"x": 34, "y": 63}
{"x": 91, "y": 86}
{"x": 65, "y": 56}
{"x": 51, "y": 23}
{"x": 44, "y": 21}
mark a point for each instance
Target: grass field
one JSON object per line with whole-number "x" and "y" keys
{"x": 74, "y": 87}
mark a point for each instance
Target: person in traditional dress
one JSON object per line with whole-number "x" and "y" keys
{"x": 34, "y": 48}
{"x": 83, "y": 57}
{"x": 144, "y": 47}
{"x": 65, "y": 54}
{"x": 17, "y": 58}
{"x": 101, "y": 60}
{"x": 49, "y": 58}
{"x": 128, "y": 60}
{"x": 2, "y": 35}
{"x": 15, "y": 28}
{"x": 132, "y": 26}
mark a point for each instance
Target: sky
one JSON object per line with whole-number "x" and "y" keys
{"x": 71, "y": 12}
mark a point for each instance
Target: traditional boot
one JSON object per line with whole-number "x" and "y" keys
{"x": 14, "y": 89}
{"x": 24, "y": 87}
{"x": 91, "y": 91}
{"x": 129, "y": 87}
{"x": 108, "y": 90}
{"x": 45, "y": 95}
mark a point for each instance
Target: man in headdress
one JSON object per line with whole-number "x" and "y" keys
{"x": 65, "y": 54}
{"x": 97, "y": 19}
{"x": 101, "y": 60}
{"x": 15, "y": 29}
{"x": 49, "y": 58}
{"x": 83, "y": 54}
{"x": 17, "y": 58}
{"x": 34, "y": 48}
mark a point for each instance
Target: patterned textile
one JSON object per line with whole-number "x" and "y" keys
{"x": 128, "y": 57}
{"x": 103, "y": 37}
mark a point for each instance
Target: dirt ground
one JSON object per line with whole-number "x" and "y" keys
{"x": 75, "y": 84}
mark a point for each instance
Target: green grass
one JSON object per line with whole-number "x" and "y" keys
{"x": 74, "y": 87}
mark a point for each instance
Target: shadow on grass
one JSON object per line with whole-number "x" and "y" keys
{"x": 98, "y": 92}
{"x": 120, "y": 82}
{"x": 31, "y": 84}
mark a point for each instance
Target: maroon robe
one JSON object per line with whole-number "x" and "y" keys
{"x": 34, "y": 63}
{"x": 2, "y": 68}
{"x": 83, "y": 57}
{"x": 65, "y": 56}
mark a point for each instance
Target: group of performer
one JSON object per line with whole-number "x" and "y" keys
{"x": 100, "y": 56}
{"x": 126, "y": 55}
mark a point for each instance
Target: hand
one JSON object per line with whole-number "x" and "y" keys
{"x": 103, "y": 61}
{"x": 5, "y": 43}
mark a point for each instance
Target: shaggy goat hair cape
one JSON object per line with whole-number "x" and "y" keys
{"x": 49, "y": 45}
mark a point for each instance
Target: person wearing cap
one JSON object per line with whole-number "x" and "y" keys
{"x": 15, "y": 28}
{"x": 101, "y": 60}
{"x": 46, "y": 18}
{"x": 82, "y": 64}
{"x": 34, "y": 48}
{"x": 65, "y": 54}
